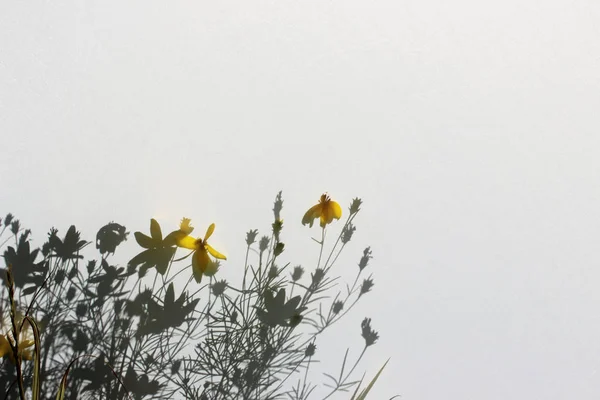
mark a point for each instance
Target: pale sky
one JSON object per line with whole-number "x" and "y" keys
{"x": 469, "y": 128}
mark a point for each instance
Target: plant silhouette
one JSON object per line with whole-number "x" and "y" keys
{"x": 113, "y": 331}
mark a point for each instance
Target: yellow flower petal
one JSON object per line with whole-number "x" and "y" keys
{"x": 336, "y": 210}
{"x": 214, "y": 253}
{"x": 200, "y": 262}
{"x": 186, "y": 242}
{"x": 312, "y": 213}
{"x": 209, "y": 232}
{"x": 4, "y": 346}
{"x": 201, "y": 259}
{"x": 325, "y": 219}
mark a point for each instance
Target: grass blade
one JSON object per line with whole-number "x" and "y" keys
{"x": 363, "y": 394}
{"x": 35, "y": 388}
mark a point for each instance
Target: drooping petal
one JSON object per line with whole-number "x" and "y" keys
{"x": 209, "y": 232}
{"x": 4, "y": 346}
{"x": 197, "y": 273}
{"x": 200, "y": 259}
{"x": 325, "y": 216}
{"x": 200, "y": 262}
{"x": 23, "y": 349}
{"x": 312, "y": 213}
{"x": 214, "y": 253}
{"x": 186, "y": 242}
{"x": 336, "y": 209}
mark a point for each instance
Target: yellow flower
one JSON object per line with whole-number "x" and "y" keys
{"x": 24, "y": 351}
{"x": 201, "y": 262}
{"x": 4, "y": 346}
{"x": 326, "y": 210}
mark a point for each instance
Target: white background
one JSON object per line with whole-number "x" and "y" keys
{"x": 469, "y": 128}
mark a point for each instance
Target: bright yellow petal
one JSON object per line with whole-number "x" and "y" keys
{"x": 336, "y": 210}
{"x": 209, "y": 232}
{"x": 186, "y": 242}
{"x": 200, "y": 262}
{"x": 4, "y": 346}
{"x": 197, "y": 274}
{"x": 324, "y": 219}
{"x": 214, "y": 253}
{"x": 312, "y": 213}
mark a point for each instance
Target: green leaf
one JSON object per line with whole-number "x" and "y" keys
{"x": 35, "y": 387}
{"x": 363, "y": 394}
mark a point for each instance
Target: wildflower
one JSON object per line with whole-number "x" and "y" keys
{"x": 277, "y": 311}
{"x": 277, "y": 206}
{"x": 278, "y": 249}
{"x": 24, "y": 352}
{"x": 218, "y": 287}
{"x": 60, "y": 276}
{"x": 4, "y": 346}
{"x": 310, "y": 350}
{"x": 46, "y": 249}
{"x": 8, "y": 219}
{"x": 326, "y": 210}
{"x": 277, "y": 227}
{"x": 263, "y": 244}
{"x": 366, "y": 286}
{"x": 337, "y": 307}
{"x": 251, "y": 236}
{"x": 71, "y": 293}
{"x": 15, "y": 226}
{"x": 81, "y": 310}
{"x": 109, "y": 237}
{"x": 368, "y": 333}
{"x": 273, "y": 272}
{"x": 318, "y": 276}
{"x": 233, "y": 317}
{"x": 297, "y": 273}
{"x": 347, "y": 233}
{"x": 364, "y": 260}
{"x": 90, "y": 266}
{"x": 175, "y": 367}
{"x": 201, "y": 262}
{"x": 355, "y": 206}
{"x": 69, "y": 247}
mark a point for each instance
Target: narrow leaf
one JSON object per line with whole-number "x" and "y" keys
{"x": 363, "y": 394}
{"x": 35, "y": 387}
